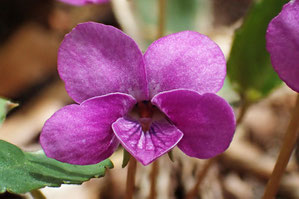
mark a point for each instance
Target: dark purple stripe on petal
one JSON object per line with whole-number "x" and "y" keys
{"x": 146, "y": 146}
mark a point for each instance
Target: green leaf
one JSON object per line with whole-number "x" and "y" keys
{"x": 249, "y": 66}
{"x": 5, "y": 106}
{"x": 126, "y": 158}
{"x": 21, "y": 172}
{"x": 180, "y": 15}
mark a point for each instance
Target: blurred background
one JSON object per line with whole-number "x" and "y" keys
{"x": 30, "y": 34}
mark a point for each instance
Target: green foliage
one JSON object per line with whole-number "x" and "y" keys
{"x": 170, "y": 155}
{"x": 126, "y": 158}
{"x": 249, "y": 66}
{"x": 5, "y": 106}
{"x": 180, "y": 15}
{"x": 2, "y": 110}
{"x": 22, "y": 172}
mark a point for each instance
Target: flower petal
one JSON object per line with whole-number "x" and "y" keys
{"x": 96, "y": 59}
{"x": 283, "y": 44}
{"x": 82, "y": 134}
{"x": 186, "y": 60}
{"x": 146, "y": 146}
{"x": 83, "y": 2}
{"x": 207, "y": 121}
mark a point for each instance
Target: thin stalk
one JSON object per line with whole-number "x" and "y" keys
{"x": 161, "y": 18}
{"x": 153, "y": 177}
{"x": 284, "y": 155}
{"x": 37, "y": 194}
{"x": 131, "y": 178}
{"x": 160, "y": 33}
{"x": 201, "y": 175}
{"x": 243, "y": 110}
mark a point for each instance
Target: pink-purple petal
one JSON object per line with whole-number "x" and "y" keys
{"x": 283, "y": 44}
{"x": 82, "y": 134}
{"x": 95, "y": 59}
{"x": 83, "y": 2}
{"x": 187, "y": 60}
{"x": 207, "y": 121}
{"x": 146, "y": 146}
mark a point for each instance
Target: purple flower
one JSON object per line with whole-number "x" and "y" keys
{"x": 83, "y": 2}
{"x": 149, "y": 103}
{"x": 283, "y": 44}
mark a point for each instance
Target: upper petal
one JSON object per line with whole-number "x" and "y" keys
{"x": 283, "y": 43}
{"x": 186, "y": 60}
{"x": 146, "y": 145}
{"x": 82, "y": 134}
{"x": 96, "y": 59}
{"x": 83, "y": 2}
{"x": 207, "y": 121}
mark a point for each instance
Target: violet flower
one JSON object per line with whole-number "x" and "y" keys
{"x": 283, "y": 44}
{"x": 149, "y": 103}
{"x": 83, "y": 2}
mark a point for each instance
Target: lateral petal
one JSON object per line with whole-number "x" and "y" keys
{"x": 207, "y": 121}
{"x": 82, "y": 134}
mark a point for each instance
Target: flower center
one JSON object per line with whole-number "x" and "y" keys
{"x": 145, "y": 109}
{"x": 145, "y": 112}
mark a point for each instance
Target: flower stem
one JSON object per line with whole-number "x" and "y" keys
{"x": 131, "y": 178}
{"x": 284, "y": 155}
{"x": 153, "y": 177}
{"x": 243, "y": 110}
{"x": 160, "y": 33}
{"x": 161, "y": 18}
{"x": 201, "y": 175}
{"x": 37, "y": 194}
